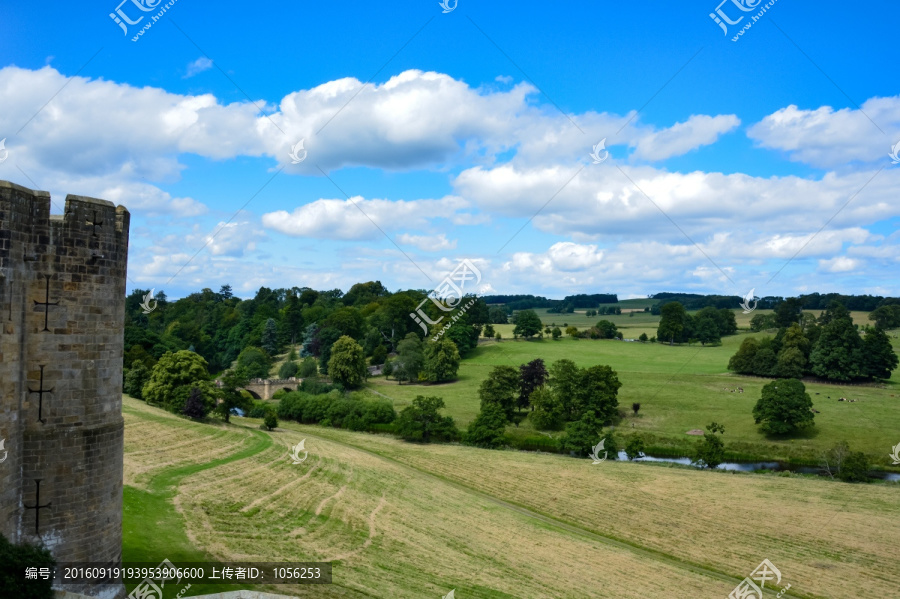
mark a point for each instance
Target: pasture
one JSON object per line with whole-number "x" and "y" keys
{"x": 681, "y": 388}
{"x": 403, "y": 520}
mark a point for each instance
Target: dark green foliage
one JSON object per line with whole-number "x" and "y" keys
{"x": 308, "y": 368}
{"x": 488, "y": 427}
{"x": 230, "y": 394}
{"x": 584, "y": 434}
{"x": 269, "y": 341}
{"x": 711, "y": 451}
{"x": 195, "y": 406}
{"x": 635, "y": 447}
{"x": 855, "y": 468}
{"x": 597, "y": 393}
{"x": 422, "y": 422}
{"x": 347, "y": 365}
{"x": 528, "y": 324}
{"x": 13, "y": 561}
{"x": 441, "y": 360}
{"x": 500, "y": 388}
{"x": 556, "y": 333}
{"x": 880, "y": 358}
{"x": 761, "y": 322}
{"x": 531, "y": 376}
{"x": 270, "y": 419}
{"x": 326, "y": 338}
{"x": 410, "y": 358}
{"x": 788, "y": 312}
{"x": 136, "y": 378}
{"x": 672, "y": 321}
{"x": 379, "y": 355}
{"x": 255, "y": 362}
{"x": 288, "y": 370}
{"x": 316, "y": 387}
{"x": 547, "y": 413}
{"x": 838, "y": 354}
{"x": 635, "y": 407}
{"x": 173, "y": 377}
{"x": 333, "y": 409}
{"x": 388, "y": 369}
{"x": 886, "y": 317}
{"x": 784, "y": 407}
{"x": 488, "y": 331}
{"x": 259, "y": 408}
{"x": 643, "y": 338}
{"x": 606, "y": 329}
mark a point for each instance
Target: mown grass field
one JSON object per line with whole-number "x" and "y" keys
{"x": 402, "y": 520}
{"x": 681, "y": 388}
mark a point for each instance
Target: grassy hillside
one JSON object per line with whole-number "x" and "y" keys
{"x": 402, "y": 520}
{"x": 681, "y": 388}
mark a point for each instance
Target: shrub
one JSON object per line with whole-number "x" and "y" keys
{"x": 488, "y": 427}
{"x": 643, "y": 338}
{"x": 13, "y": 561}
{"x": 583, "y": 435}
{"x": 855, "y": 468}
{"x": 308, "y": 368}
{"x": 635, "y": 447}
{"x": 379, "y": 355}
{"x": 388, "y": 368}
{"x": 258, "y": 410}
{"x": 711, "y": 451}
{"x": 288, "y": 370}
{"x": 270, "y": 419}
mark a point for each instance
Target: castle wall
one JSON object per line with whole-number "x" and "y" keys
{"x": 62, "y": 310}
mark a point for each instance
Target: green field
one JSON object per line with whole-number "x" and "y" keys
{"x": 681, "y": 388}
{"x": 402, "y": 520}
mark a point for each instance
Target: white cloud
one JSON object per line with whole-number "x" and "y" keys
{"x": 829, "y": 138}
{"x": 427, "y": 243}
{"x": 839, "y": 264}
{"x": 198, "y": 66}
{"x": 680, "y": 138}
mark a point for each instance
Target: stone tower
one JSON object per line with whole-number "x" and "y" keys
{"x": 62, "y": 311}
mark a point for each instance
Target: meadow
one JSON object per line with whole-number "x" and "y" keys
{"x": 404, "y": 520}
{"x": 680, "y": 388}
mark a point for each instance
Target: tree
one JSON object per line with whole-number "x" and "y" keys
{"x": 136, "y": 378}
{"x": 347, "y": 365}
{"x": 556, "y": 333}
{"x": 379, "y": 355}
{"x": 270, "y": 337}
{"x": 791, "y": 363}
{"x": 288, "y": 370}
{"x": 421, "y": 421}
{"x": 784, "y": 407}
{"x": 635, "y": 447}
{"x": 230, "y": 396}
{"x": 788, "y": 312}
{"x": 270, "y": 420}
{"x": 498, "y": 315}
{"x": 172, "y": 378}
{"x": 761, "y": 322}
{"x": 528, "y": 324}
{"x": 564, "y": 381}
{"x": 607, "y": 329}
{"x": 195, "y": 407}
{"x": 255, "y": 361}
{"x": 410, "y": 358}
{"x": 498, "y": 337}
{"x": 308, "y": 368}
{"x": 547, "y": 412}
{"x": 886, "y": 317}
{"x": 838, "y": 354}
{"x": 326, "y": 338}
{"x": 643, "y": 338}
{"x": 855, "y": 468}
{"x": 671, "y": 322}
{"x": 832, "y": 460}
{"x": 15, "y": 559}
{"x": 706, "y": 328}
{"x": 488, "y": 331}
{"x": 441, "y": 360}
{"x": 711, "y": 451}
{"x": 583, "y": 434}
{"x": 572, "y": 332}
{"x": 531, "y": 376}
{"x": 488, "y": 428}
{"x": 880, "y": 358}
{"x": 500, "y": 388}
{"x": 596, "y": 393}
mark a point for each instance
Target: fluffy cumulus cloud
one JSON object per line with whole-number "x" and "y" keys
{"x": 427, "y": 243}
{"x": 697, "y": 131}
{"x": 360, "y": 219}
{"x": 827, "y": 138}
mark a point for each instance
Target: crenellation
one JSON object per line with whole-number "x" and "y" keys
{"x": 62, "y": 309}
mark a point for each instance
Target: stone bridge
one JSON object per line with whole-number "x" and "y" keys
{"x": 264, "y": 388}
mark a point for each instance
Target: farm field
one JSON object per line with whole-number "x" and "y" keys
{"x": 681, "y": 388}
{"x": 404, "y": 520}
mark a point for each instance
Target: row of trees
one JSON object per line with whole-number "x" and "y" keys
{"x": 707, "y": 325}
{"x": 418, "y": 361}
{"x": 829, "y": 347}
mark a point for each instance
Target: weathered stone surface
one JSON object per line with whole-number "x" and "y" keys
{"x": 62, "y": 309}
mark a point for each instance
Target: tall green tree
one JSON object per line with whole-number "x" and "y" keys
{"x": 422, "y": 422}
{"x": 270, "y": 337}
{"x": 711, "y": 451}
{"x": 488, "y": 428}
{"x": 172, "y": 378}
{"x": 137, "y": 377}
{"x": 255, "y": 361}
{"x": 597, "y": 393}
{"x": 441, "y": 360}
{"x": 410, "y": 359}
{"x": 784, "y": 407}
{"x": 547, "y": 413}
{"x": 788, "y": 312}
{"x": 528, "y": 324}
{"x": 672, "y": 322}
{"x": 880, "y": 358}
{"x": 500, "y": 388}
{"x": 564, "y": 382}
{"x": 347, "y": 365}
{"x": 229, "y": 394}
{"x": 531, "y": 376}
{"x": 838, "y": 354}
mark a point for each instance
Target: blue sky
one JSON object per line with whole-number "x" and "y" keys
{"x": 726, "y": 158}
